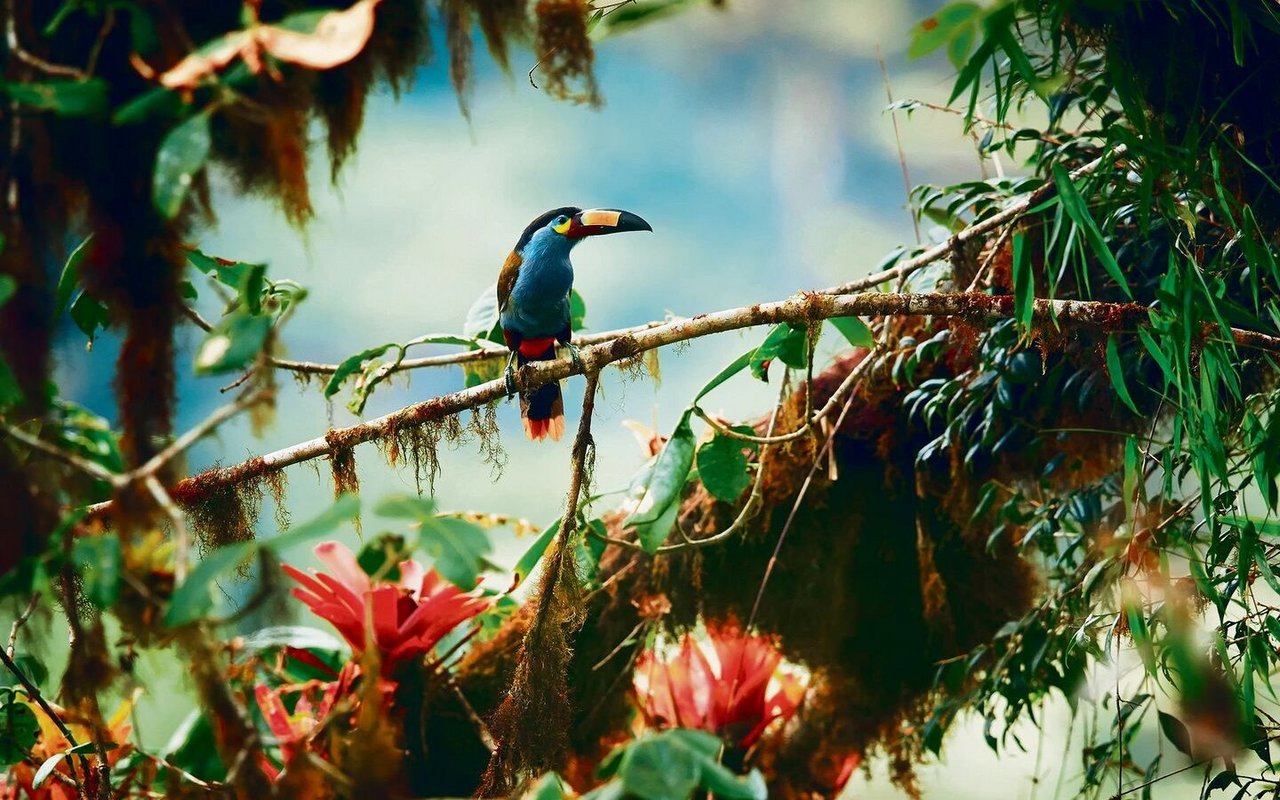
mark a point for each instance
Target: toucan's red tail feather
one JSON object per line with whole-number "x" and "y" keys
{"x": 541, "y": 410}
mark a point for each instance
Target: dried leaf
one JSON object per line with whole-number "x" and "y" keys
{"x": 338, "y": 37}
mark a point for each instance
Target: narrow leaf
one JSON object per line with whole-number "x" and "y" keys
{"x": 854, "y": 330}
{"x": 1116, "y": 371}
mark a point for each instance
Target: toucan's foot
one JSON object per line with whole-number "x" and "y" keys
{"x": 575, "y": 357}
{"x": 511, "y": 377}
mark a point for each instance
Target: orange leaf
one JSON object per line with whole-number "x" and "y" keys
{"x": 339, "y": 37}
{"x": 188, "y": 72}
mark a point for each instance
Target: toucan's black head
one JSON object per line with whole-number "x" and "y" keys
{"x": 574, "y": 223}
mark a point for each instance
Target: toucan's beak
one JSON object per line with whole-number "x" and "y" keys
{"x": 598, "y": 221}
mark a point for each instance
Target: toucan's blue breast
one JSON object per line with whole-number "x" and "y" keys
{"x": 539, "y": 302}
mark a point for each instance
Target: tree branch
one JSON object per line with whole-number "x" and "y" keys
{"x": 807, "y": 308}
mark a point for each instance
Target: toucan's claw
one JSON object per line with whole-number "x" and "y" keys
{"x": 575, "y": 357}
{"x": 511, "y": 374}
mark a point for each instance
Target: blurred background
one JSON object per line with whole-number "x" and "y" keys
{"x": 754, "y": 139}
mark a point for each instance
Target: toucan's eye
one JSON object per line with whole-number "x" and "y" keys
{"x": 560, "y": 224}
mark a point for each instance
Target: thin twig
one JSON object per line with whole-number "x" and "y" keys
{"x": 795, "y": 507}
{"x": 977, "y": 229}
{"x": 33, "y": 692}
{"x": 197, "y": 433}
{"x": 897, "y": 138}
{"x": 748, "y": 512}
{"x": 20, "y": 621}
{"x": 15, "y": 47}
{"x": 487, "y": 353}
{"x": 482, "y": 728}
{"x": 200, "y": 322}
{"x": 65, "y": 456}
{"x": 177, "y": 521}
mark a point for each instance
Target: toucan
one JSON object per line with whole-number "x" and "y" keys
{"x": 533, "y": 302}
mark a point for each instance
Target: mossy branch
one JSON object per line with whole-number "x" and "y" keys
{"x": 978, "y": 309}
{"x": 532, "y": 724}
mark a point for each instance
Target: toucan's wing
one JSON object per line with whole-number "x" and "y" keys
{"x": 507, "y": 279}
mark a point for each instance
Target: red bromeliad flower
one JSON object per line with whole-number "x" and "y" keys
{"x": 403, "y": 619}
{"x": 728, "y": 684}
{"x": 293, "y": 731}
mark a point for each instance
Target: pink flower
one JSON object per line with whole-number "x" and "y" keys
{"x": 404, "y": 619}
{"x": 729, "y": 685}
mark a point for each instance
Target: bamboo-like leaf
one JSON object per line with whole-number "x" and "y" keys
{"x": 1079, "y": 213}
{"x": 1116, "y": 371}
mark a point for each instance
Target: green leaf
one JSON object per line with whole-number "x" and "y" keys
{"x": 854, "y": 330}
{"x": 482, "y": 317}
{"x": 664, "y": 487}
{"x": 382, "y": 555}
{"x": 8, "y": 286}
{"x": 672, "y": 765}
{"x": 193, "y": 747}
{"x": 1116, "y": 371}
{"x": 1079, "y": 212}
{"x": 577, "y": 311}
{"x": 89, "y": 315}
{"x": 70, "y": 277}
{"x": 634, "y": 14}
{"x": 460, "y": 549}
{"x": 345, "y": 508}
{"x": 587, "y": 550}
{"x": 68, "y": 98}
{"x": 1175, "y": 732}
{"x": 529, "y": 561}
{"x": 19, "y": 730}
{"x": 661, "y": 768}
{"x": 352, "y": 365}
{"x": 235, "y": 341}
{"x": 99, "y": 562}
{"x": 32, "y": 668}
{"x": 949, "y": 22}
{"x": 723, "y": 469}
{"x": 182, "y": 155}
{"x": 738, "y": 364}
{"x": 10, "y": 391}
{"x": 548, "y": 787}
{"x": 1024, "y": 284}
{"x": 157, "y": 103}
{"x": 405, "y": 506}
{"x": 787, "y": 342}
{"x": 193, "y": 598}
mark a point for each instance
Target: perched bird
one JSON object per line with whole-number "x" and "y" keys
{"x": 533, "y": 301}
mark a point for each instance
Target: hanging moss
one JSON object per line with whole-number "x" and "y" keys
{"x": 228, "y": 514}
{"x": 565, "y": 56}
{"x": 277, "y": 482}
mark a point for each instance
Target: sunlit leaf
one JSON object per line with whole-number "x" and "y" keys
{"x": 653, "y": 517}
{"x": 68, "y": 98}
{"x": 854, "y": 330}
{"x": 722, "y": 468}
{"x": 181, "y": 156}
{"x": 235, "y": 341}
{"x": 787, "y": 342}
